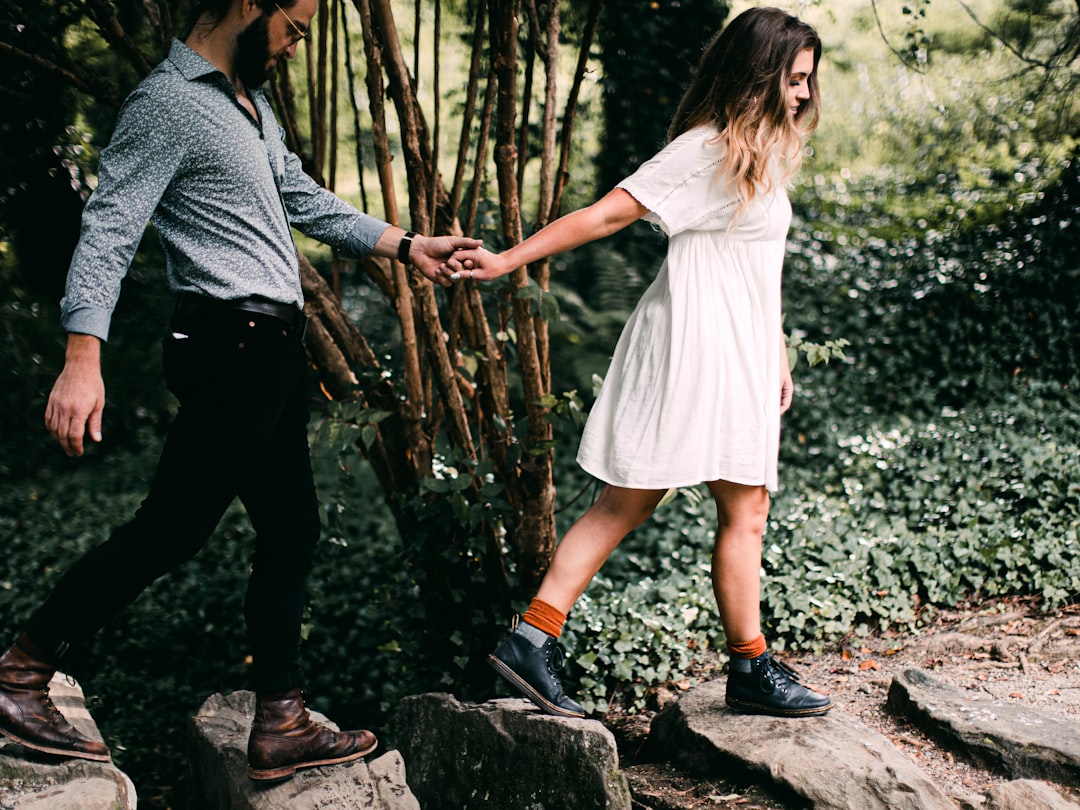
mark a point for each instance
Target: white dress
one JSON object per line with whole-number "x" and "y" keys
{"x": 693, "y": 391}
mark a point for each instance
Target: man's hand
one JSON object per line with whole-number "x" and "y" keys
{"x": 428, "y": 252}
{"x": 477, "y": 264}
{"x": 78, "y": 395}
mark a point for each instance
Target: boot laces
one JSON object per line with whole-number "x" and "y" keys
{"x": 557, "y": 660}
{"x": 779, "y": 671}
{"x": 51, "y": 707}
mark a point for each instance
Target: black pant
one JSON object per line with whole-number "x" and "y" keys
{"x": 241, "y": 431}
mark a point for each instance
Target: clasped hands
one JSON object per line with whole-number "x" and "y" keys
{"x": 446, "y": 259}
{"x": 473, "y": 264}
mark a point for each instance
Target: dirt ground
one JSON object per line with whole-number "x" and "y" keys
{"x": 1003, "y": 650}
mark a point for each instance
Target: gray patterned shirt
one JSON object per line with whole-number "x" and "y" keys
{"x": 220, "y": 188}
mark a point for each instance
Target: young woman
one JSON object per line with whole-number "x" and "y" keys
{"x": 700, "y": 375}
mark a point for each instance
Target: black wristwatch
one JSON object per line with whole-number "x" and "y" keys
{"x": 403, "y": 247}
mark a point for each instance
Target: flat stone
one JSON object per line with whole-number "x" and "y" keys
{"x": 832, "y": 762}
{"x": 218, "y": 756}
{"x": 1015, "y": 740}
{"x": 34, "y": 781}
{"x": 1027, "y": 794}
{"x": 506, "y": 755}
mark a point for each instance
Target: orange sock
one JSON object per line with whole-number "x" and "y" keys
{"x": 747, "y": 649}
{"x": 544, "y": 617}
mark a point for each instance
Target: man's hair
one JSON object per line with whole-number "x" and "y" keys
{"x": 215, "y": 10}
{"x": 740, "y": 88}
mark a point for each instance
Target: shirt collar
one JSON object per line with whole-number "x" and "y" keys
{"x": 190, "y": 64}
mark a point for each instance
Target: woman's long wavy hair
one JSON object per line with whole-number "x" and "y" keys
{"x": 740, "y": 88}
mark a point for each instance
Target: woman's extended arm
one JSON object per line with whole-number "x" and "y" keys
{"x": 611, "y": 213}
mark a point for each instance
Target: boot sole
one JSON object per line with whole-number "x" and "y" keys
{"x": 58, "y": 752}
{"x": 260, "y": 774}
{"x": 516, "y": 681}
{"x": 757, "y": 708}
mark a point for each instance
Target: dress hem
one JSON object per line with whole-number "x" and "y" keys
{"x": 677, "y": 482}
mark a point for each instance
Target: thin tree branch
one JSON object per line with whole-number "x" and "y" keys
{"x": 434, "y": 171}
{"x": 469, "y": 111}
{"x": 884, "y": 38}
{"x": 358, "y": 133}
{"x": 570, "y": 113}
{"x": 78, "y": 80}
{"x": 104, "y": 17}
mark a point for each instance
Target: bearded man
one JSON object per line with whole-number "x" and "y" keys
{"x": 198, "y": 153}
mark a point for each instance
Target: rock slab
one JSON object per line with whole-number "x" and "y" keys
{"x": 1027, "y": 794}
{"x": 218, "y": 756}
{"x": 34, "y": 781}
{"x": 832, "y": 762}
{"x": 506, "y": 754}
{"x": 1015, "y": 740}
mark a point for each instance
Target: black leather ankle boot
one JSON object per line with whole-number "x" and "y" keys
{"x": 763, "y": 685}
{"x": 534, "y": 672}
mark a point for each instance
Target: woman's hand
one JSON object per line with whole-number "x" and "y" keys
{"x": 429, "y": 253}
{"x": 474, "y": 264}
{"x": 787, "y": 385}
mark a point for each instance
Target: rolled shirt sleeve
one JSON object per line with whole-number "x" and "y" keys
{"x": 322, "y": 215}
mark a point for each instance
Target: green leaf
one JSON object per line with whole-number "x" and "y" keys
{"x": 436, "y": 485}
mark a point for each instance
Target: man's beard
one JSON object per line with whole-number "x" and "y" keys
{"x": 253, "y": 53}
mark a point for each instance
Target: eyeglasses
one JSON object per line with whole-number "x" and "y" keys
{"x": 301, "y": 33}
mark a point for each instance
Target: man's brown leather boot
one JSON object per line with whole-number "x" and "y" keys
{"x": 284, "y": 739}
{"x": 27, "y": 713}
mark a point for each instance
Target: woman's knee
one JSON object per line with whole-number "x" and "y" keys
{"x": 627, "y": 507}
{"x": 741, "y": 508}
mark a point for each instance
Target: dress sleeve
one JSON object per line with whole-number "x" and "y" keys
{"x": 681, "y": 185}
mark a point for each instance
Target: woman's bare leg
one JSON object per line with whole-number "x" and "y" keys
{"x": 530, "y": 658}
{"x": 736, "y": 562}
{"x": 756, "y": 683}
{"x": 589, "y": 542}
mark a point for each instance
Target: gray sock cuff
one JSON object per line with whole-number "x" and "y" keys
{"x": 534, "y": 635}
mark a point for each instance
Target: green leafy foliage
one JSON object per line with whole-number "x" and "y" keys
{"x": 968, "y": 505}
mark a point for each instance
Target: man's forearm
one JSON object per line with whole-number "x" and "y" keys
{"x": 83, "y": 351}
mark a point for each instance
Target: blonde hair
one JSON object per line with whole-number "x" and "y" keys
{"x": 740, "y": 89}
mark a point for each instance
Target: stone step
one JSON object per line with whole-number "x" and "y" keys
{"x": 1003, "y": 736}
{"x": 1026, "y": 794}
{"x": 218, "y": 758}
{"x": 832, "y": 762}
{"x": 506, "y": 754}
